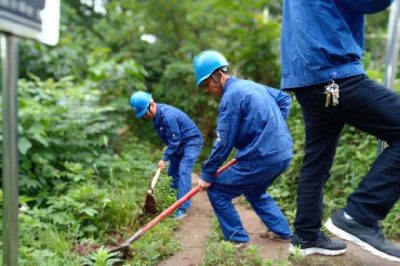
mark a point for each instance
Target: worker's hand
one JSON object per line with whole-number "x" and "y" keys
{"x": 203, "y": 184}
{"x": 161, "y": 165}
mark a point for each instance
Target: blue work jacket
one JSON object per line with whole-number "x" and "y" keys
{"x": 176, "y": 129}
{"x": 323, "y": 40}
{"x": 251, "y": 118}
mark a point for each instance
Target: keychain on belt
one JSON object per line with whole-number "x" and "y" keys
{"x": 332, "y": 94}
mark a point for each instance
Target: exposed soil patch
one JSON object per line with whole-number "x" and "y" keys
{"x": 194, "y": 231}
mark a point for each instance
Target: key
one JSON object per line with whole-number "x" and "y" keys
{"x": 335, "y": 95}
{"x": 335, "y": 100}
{"x": 328, "y": 98}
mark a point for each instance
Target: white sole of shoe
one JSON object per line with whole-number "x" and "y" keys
{"x": 180, "y": 217}
{"x": 321, "y": 251}
{"x": 346, "y": 236}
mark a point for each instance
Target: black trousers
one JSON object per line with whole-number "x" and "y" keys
{"x": 370, "y": 107}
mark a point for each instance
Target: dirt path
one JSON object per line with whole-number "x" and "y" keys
{"x": 196, "y": 228}
{"x": 268, "y": 248}
{"x": 194, "y": 231}
{"x": 273, "y": 249}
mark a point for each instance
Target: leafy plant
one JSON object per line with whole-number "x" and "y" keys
{"x": 102, "y": 258}
{"x": 296, "y": 256}
{"x": 220, "y": 252}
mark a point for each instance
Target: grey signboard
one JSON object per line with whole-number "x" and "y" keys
{"x": 36, "y": 19}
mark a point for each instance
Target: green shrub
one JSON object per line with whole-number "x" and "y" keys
{"x": 156, "y": 244}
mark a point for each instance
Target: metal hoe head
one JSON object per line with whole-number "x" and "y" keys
{"x": 150, "y": 205}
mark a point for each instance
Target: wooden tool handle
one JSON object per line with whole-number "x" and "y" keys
{"x": 155, "y": 179}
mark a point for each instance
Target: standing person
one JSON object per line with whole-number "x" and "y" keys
{"x": 251, "y": 118}
{"x": 182, "y": 137}
{"x": 322, "y": 44}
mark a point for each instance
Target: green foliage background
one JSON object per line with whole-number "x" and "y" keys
{"x": 85, "y": 161}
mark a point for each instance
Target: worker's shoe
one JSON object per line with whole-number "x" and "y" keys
{"x": 323, "y": 245}
{"x": 180, "y": 214}
{"x": 371, "y": 239}
{"x": 271, "y": 235}
{"x": 239, "y": 245}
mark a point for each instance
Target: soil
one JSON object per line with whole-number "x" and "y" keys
{"x": 193, "y": 232}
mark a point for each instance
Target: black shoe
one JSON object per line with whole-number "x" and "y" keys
{"x": 323, "y": 245}
{"x": 371, "y": 239}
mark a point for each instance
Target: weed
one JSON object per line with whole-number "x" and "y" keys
{"x": 101, "y": 258}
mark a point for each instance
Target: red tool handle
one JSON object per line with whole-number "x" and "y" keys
{"x": 170, "y": 209}
{"x": 174, "y": 206}
{"x": 179, "y": 202}
{"x": 227, "y": 165}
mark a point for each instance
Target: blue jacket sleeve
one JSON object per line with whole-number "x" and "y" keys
{"x": 227, "y": 130}
{"x": 282, "y": 99}
{"x": 365, "y": 6}
{"x": 173, "y": 135}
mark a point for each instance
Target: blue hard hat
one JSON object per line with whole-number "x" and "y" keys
{"x": 206, "y": 63}
{"x": 140, "y": 102}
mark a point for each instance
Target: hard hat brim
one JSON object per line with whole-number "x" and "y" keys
{"x": 199, "y": 81}
{"x": 203, "y": 79}
{"x": 142, "y": 113}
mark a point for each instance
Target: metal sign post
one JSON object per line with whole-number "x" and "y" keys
{"x": 39, "y": 20}
{"x": 9, "y": 61}
{"x": 393, "y": 46}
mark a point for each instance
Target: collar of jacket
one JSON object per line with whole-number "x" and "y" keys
{"x": 157, "y": 117}
{"x": 227, "y": 83}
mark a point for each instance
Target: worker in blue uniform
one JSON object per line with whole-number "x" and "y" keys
{"x": 251, "y": 118}
{"x": 322, "y": 46}
{"x": 182, "y": 137}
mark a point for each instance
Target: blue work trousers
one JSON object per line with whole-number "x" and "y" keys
{"x": 181, "y": 167}
{"x": 369, "y": 107}
{"x": 221, "y": 196}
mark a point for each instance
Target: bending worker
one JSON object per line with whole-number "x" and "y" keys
{"x": 182, "y": 137}
{"x": 251, "y": 118}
